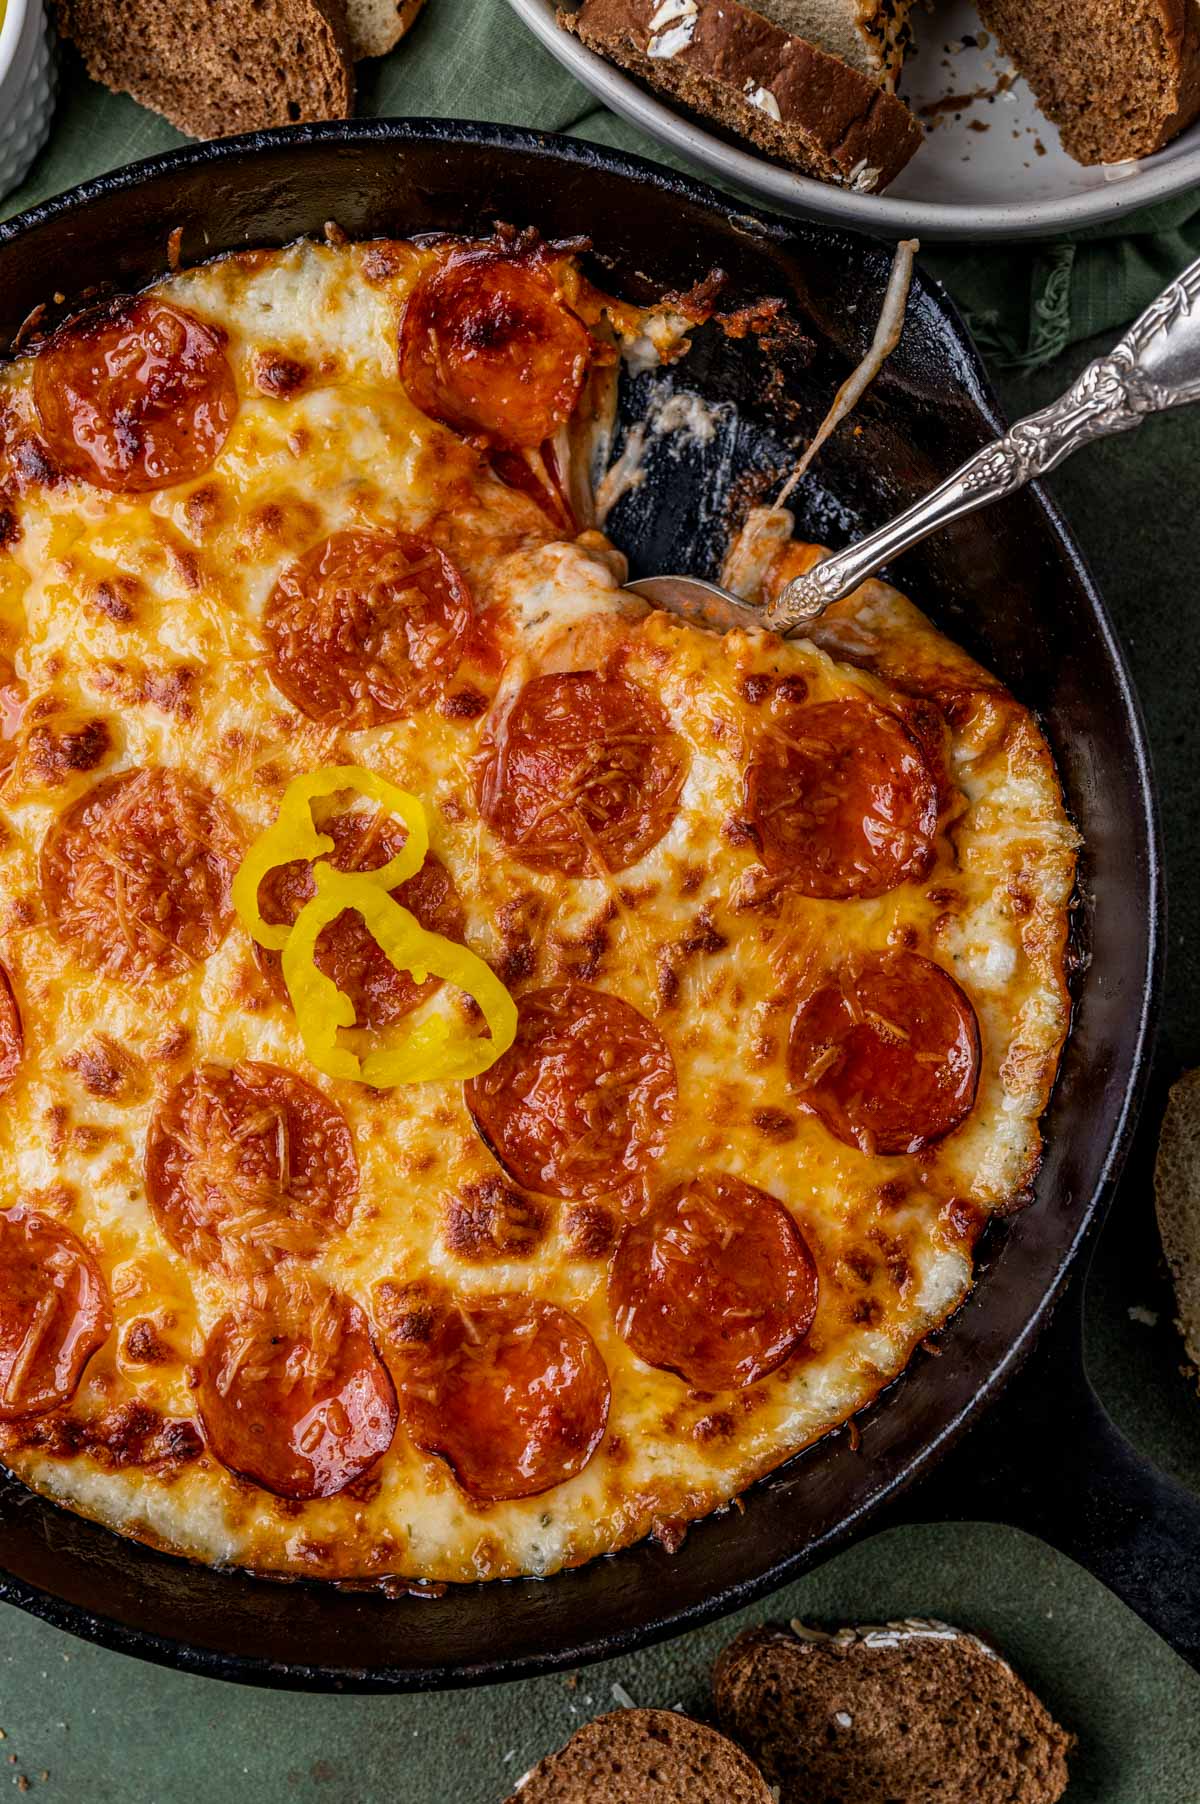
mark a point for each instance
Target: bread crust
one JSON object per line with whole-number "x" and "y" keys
{"x": 790, "y": 99}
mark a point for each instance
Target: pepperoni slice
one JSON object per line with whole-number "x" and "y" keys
{"x": 295, "y": 1397}
{"x": 537, "y": 474}
{"x": 54, "y": 1313}
{"x": 12, "y": 1037}
{"x": 584, "y": 774}
{"x": 345, "y": 951}
{"x": 138, "y": 398}
{"x": 510, "y": 1391}
{"x": 489, "y": 347}
{"x": 886, "y": 1053}
{"x": 715, "y": 1284}
{"x": 136, "y": 875}
{"x": 843, "y": 802}
{"x": 367, "y": 627}
{"x": 583, "y": 1098}
{"x": 13, "y": 702}
{"x": 246, "y": 1164}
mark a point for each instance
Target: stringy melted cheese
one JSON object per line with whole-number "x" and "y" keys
{"x": 143, "y": 612}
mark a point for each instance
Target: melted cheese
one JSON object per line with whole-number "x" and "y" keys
{"x": 143, "y": 612}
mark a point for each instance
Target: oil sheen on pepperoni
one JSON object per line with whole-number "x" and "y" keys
{"x": 138, "y": 398}
{"x": 136, "y": 875}
{"x": 583, "y": 1098}
{"x": 294, "y": 1396}
{"x": 246, "y": 1164}
{"x": 489, "y": 347}
{"x": 886, "y": 1053}
{"x": 345, "y": 951}
{"x": 54, "y": 1313}
{"x": 510, "y": 1391}
{"x": 842, "y": 800}
{"x": 584, "y": 774}
{"x": 367, "y": 627}
{"x": 716, "y": 1284}
{"x": 12, "y": 1038}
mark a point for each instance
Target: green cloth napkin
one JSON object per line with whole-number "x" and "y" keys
{"x": 472, "y": 59}
{"x": 1026, "y": 305}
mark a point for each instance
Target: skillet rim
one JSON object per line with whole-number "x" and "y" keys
{"x": 971, "y": 376}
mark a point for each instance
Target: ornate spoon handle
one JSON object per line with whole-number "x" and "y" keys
{"x": 1154, "y": 366}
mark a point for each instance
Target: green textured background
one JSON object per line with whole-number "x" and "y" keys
{"x": 93, "y": 1727}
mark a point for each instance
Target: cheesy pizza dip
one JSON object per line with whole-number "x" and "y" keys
{"x": 488, "y": 1069}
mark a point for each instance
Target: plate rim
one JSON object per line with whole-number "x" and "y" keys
{"x": 785, "y": 190}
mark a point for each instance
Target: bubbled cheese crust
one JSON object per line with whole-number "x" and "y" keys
{"x": 142, "y": 612}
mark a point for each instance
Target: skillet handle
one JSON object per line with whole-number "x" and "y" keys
{"x": 1049, "y": 1459}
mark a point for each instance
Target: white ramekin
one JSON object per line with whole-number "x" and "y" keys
{"x": 27, "y": 79}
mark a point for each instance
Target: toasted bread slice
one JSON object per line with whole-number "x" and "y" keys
{"x": 644, "y": 1757}
{"x": 734, "y": 67}
{"x": 905, "y": 1712}
{"x": 376, "y": 26}
{"x": 216, "y": 70}
{"x": 1119, "y": 80}
{"x": 1177, "y": 1194}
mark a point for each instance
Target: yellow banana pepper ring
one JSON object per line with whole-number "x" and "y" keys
{"x": 292, "y": 835}
{"x": 429, "y": 1051}
{"x": 433, "y": 1049}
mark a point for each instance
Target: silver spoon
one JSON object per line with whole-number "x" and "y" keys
{"x": 1156, "y": 365}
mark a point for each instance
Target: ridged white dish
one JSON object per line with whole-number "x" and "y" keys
{"x": 994, "y": 168}
{"x": 27, "y": 82}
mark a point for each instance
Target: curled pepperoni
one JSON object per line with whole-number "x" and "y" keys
{"x": 842, "y": 800}
{"x": 367, "y": 627}
{"x": 246, "y": 1164}
{"x": 136, "y": 398}
{"x": 12, "y": 1037}
{"x": 716, "y": 1284}
{"x": 54, "y": 1313}
{"x": 136, "y": 875}
{"x": 510, "y": 1391}
{"x": 345, "y": 950}
{"x": 886, "y": 1053}
{"x": 583, "y": 1098}
{"x": 584, "y": 774}
{"x": 488, "y": 346}
{"x": 538, "y": 475}
{"x": 295, "y": 1397}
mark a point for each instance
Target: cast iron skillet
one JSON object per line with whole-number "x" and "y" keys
{"x": 1011, "y": 586}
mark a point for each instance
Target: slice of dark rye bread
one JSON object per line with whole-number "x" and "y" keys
{"x": 728, "y": 64}
{"x": 903, "y": 1713}
{"x": 644, "y": 1757}
{"x": 1177, "y": 1198}
{"x": 213, "y": 69}
{"x": 1119, "y": 78}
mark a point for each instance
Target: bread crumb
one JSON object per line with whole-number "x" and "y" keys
{"x": 622, "y": 1697}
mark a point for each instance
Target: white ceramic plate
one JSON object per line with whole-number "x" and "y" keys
{"x": 980, "y": 173}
